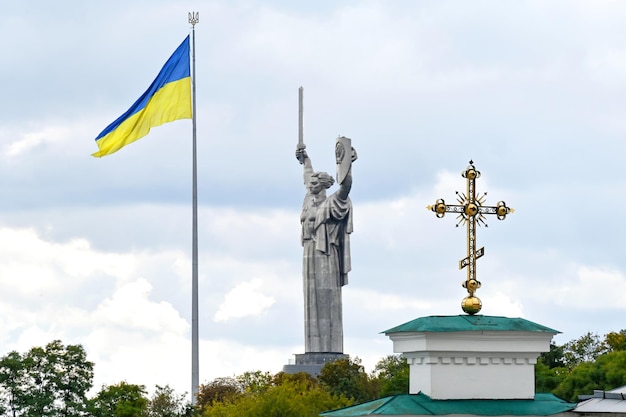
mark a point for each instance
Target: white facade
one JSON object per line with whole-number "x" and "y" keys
{"x": 472, "y": 364}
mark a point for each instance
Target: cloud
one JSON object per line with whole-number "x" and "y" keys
{"x": 130, "y": 308}
{"x": 26, "y": 141}
{"x": 245, "y": 299}
{"x": 32, "y": 265}
{"x": 384, "y": 303}
{"x": 592, "y": 288}
{"x": 69, "y": 291}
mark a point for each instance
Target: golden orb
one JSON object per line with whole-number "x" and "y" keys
{"x": 472, "y": 285}
{"x": 440, "y": 208}
{"x": 502, "y": 211}
{"x": 471, "y": 305}
{"x": 471, "y": 174}
{"x": 471, "y": 209}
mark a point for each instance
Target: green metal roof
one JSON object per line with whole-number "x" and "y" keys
{"x": 422, "y": 404}
{"x": 464, "y": 323}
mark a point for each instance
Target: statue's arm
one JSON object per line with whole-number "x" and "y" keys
{"x": 304, "y": 159}
{"x": 346, "y": 185}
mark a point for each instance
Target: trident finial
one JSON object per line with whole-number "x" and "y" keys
{"x": 194, "y": 17}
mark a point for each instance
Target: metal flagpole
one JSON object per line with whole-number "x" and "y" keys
{"x": 194, "y": 17}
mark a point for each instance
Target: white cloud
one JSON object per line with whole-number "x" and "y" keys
{"x": 592, "y": 288}
{"x": 221, "y": 357}
{"x": 244, "y": 300}
{"x": 500, "y": 304}
{"x": 46, "y": 284}
{"x": 29, "y": 140}
{"x": 57, "y": 135}
{"x": 131, "y": 308}
{"x": 373, "y": 302}
{"x": 127, "y": 355}
{"x": 33, "y": 265}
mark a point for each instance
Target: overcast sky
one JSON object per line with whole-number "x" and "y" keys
{"x": 97, "y": 252}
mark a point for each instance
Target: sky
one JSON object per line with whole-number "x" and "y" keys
{"x": 97, "y": 251}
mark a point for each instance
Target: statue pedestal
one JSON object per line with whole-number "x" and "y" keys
{"x": 312, "y": 362}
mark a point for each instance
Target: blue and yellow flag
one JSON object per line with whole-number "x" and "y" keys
{"x": 167, "y": 99}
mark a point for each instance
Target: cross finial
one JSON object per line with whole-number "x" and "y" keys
{"x": 471, "y": 212}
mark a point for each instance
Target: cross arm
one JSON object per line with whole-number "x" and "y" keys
{"x": 500, "y": 210}
{"x": 441, "y": 208}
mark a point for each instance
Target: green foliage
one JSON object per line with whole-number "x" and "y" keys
{"x": 129, "y": 400}
{"x": 548, "y": 378}
{"x": 613, "y": 366}
{"x": 72, "y": 377}
{"x": 166, "y": 403}
{"x": 607, "y": 372}
{"x": 554, "y": 357}
{"x": 254, "y": 382}
{"x": 220, "y": 390}
{"x": 49, "y": 381}
{"x": 120, "y": 400}
{"x": 550, "y": 369}
{"x": 584, "y": 349}
{"x": 301, "y": 378}
{"x": 615, "y": 341}
{"x": 392, "y": 376}
{"x": 582, "y": 365}
{"x": 296, "y": 395}
{"x": 347, "y": 377}
{"x": 12, "y": 383}
{"x": 581, "y": 380}
{"x": 52, "y": 381}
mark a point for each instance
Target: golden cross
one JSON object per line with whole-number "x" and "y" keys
{"x": 471, "y": 212}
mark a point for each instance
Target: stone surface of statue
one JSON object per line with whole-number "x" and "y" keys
{"x": 326, "y": 226}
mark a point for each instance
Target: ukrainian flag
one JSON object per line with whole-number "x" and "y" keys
{"x": 167, "y": 99}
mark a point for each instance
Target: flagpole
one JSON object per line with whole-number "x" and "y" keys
{"x": 194, "y": 17}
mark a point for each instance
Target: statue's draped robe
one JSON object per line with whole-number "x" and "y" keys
{"x": 326, "y": 228}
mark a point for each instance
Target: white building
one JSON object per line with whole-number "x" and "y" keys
{"x": 468, "y": 365}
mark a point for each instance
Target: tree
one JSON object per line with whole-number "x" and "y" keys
{"x": 166, "y": 403}
{"x": 615, "y": 341}
{"x": 296, "y": 395}
{"x": 302, "y": 378}
{"x": 218, "y": 391}
{"x": 72, "y": 377}
{"x": 256, "y": 381}
{"x": 550, "y": 369}
{"x": 120, "y": 400}
{"x": 392, "y": 375}
{"x": 56, "y": 380}
{"x": 347, "y": 377}
{"x": 11, "y": 383}
{"x": 48, "y": 381}
{"x": 554, "y": 358}
{"x": 39, "y": 393}
{"x": 584, "y": 349}
{"x": 577, "y": 367}
{"x": 607, "y": 372}
{"x": 547, "y": 378}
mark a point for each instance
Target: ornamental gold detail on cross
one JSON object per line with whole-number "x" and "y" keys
{"x": 471, "y": 212}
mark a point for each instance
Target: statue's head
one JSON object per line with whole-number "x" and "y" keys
{"x": 322, "y": 179}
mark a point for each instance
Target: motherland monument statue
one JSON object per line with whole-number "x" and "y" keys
{"x": 326, "y": 222}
